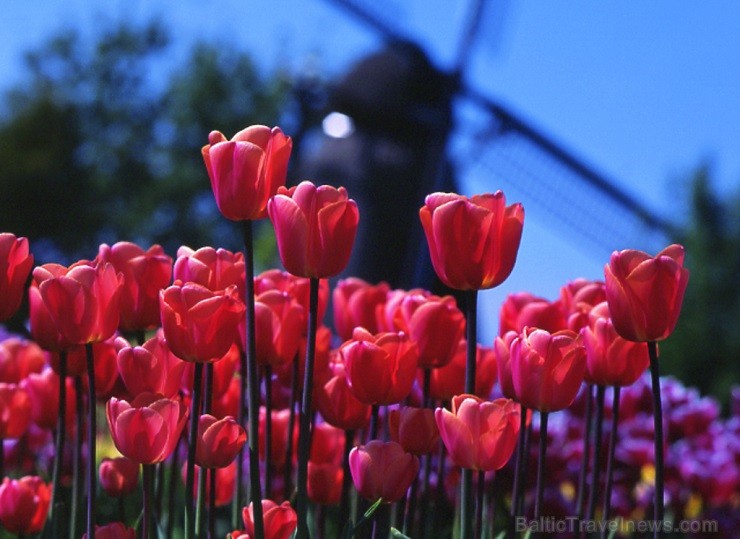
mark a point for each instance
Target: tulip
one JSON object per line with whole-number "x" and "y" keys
{"x": 380, "y": 368}
{"x": 246, "y": 170}
{"x": 144, "y": 273}
{"x": 547, "y": 368}
{"x": 297, "y": 287}
{"x": 479, "y": 435}
{"x": 645, "y": 293}
{"x": 473, "y": 242}
{"x": 215, "y": 269}
{"x": 19, "y": 358}
{"x": 15, "y": 265}
{"x": 327, "y": 443}
{"x": 325, "y": 482}
{"x": 150, "y": 368}
{"x": 315, "y": 228}
{"x": 82, "y": 300}
{"x": 339, "y": 407}
{"x": 200, "y": 325}
{"x": 147, "y": 429}
{"x": 526, "y": 310}
{"x": 219, "y": 441}
{"x": 43, "y": 391}
{"x": 577, "y": 298}
{"x": 502, "y": 349}
{"x": 610, "y": 359}
{"x": 415, "y": 429}
{"x": 118, "y": 476}
{"x": 280, "y": 520}
{"x": 448, "y": 381}
{"x": 24, "y": 503}
{"x": 279, "y": 325}
{"x": 15, "y": 411}
{"x": 355, "y": 303}
{"x": 382, "y": 470}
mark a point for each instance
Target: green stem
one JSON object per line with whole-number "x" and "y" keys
{"x": 268, "y": 431}
{"x": 192, "y": 441}
{"x": 541, "y": 465}
{"x": 596, "y": 468}
{"x": 238, "y": 501}
{"x": 610, "y": 461}
{"x": 202, "y": 472}
{"x": 60, "y": 438}
{"x": 253, "y": 388}
{"x": 147, "y": 472}
{"x": 583, "y": 474}
{"x": 344, "y": 508}
{"x": 658, "y": 420}
{"x": 479, "y": 504}
{"x": 471, "y": 333}
{"x": 304, "y": 434}
{"x": 92, "y": 476}
{"x": 519, "y": 481}
{"x": 466, "y": 504}
{"x": 77, "y": 481}
{"x": 287, "y": 473}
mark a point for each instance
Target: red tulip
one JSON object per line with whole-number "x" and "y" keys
{"x": 144, "y": 273}
{"x": 150, "y": 368}
{"x": 246, "y": 170}
{"x": 380, "y": 368}
{"x": 147, "y": 429}
{"x": 43, "y": 327}
{"x": 19, "y": 358}
{"x": 479, "y": 435}
{"x": 382, "y": 470}
{"x": 15, "y": 265}
{"x": 297, "y": 287}
{"x": 215, "y": 269}
{"x": 434, "y": 323}
{"x": 547, "y": 368}
{"x": 610, "y": 359}
{"x": 645, "y": 293}
{"x": 339, "y": 407}
{"x": 24, "y": 503}
{"x": 199, "y": 324}
{"x": 280, "y": 521}
{"x": 327, "y": 443}
{"x": 82, "y": 300}
{"x": 118, "y": 476}
{"x": 279, "y": 326}
{"x": 577, "y": 298}
{"x": 225, "y": 481}
{"x": 114, "y": 530}
{"x": 325, "y": 482}
{"x": 355, "y": 303}
{"x": 15, "y": 411}
{"x": 473, "y": 242}
{"x": 414, "y": 428}
{"x": 315, "y": 228}
{"x": 280, "y": 424}
{"x": 448, "y": 381}
{"x": 219, "y": 441}
{"x": 526, "y": 310}
{"x": 502, "y": 348}
{"x": 43, "y": 391}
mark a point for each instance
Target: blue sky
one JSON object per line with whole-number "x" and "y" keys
{"x": 642, "y": 91}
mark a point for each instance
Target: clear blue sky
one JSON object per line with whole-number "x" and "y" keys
{"x": 643, "y": 91}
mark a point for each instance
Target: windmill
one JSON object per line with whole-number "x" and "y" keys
{"x": 476, "y": 135}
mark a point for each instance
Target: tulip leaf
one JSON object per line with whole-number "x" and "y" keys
{"x": 395, "y": 534}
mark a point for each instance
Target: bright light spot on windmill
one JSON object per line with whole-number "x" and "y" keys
{"x": 338, "y": 125}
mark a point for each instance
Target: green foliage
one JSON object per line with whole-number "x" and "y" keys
{"x": 102, "y": 142}
{"x": 705, "y": 348}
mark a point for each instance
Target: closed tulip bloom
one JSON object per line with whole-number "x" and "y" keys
{"x": 82, "y": 300}
{"x": 150, "y": 368}
{"x": 219, "y": 441}
{"x": 610, "y": 359}
{"x": 577, "y": 298}
{"x": 547, "y": 368}
{"x": 215, "y": 269}
{"x": 19, "y": 358}
{"x": 315, "y": 228}
{"x": 434, "y": 323}
{"x": 473, "y": 242}
{"x": 338, "y": 405}
{"x": 43, "y": 392}
{"x": 15, "y": 411}
{"x": 200, "y": 325}
{"x": 147, "y": 429}
{"x": 479, "y": 435}
{"x": 246, "y": 170}
{"x": 15, "y": 264}
{"x": 380, "y": 368}
{"x": 523, "y": 309}
{"x": 113, "y": 530}
{"x": 327, "y": 443}
{"x": 448, "y": 381}
{"x": 382, "y": 470}
{"x": 24, "y": 503}
{"x": 415, "y": 429}
{"x": 43, "y": 327}
{"x": 144, "y": 273}
{"x": 297, "y": 287}
{"x": 279, "y": 326}
{"x": 645, "y": 293}
{"x": 355, "y": 304}
{"x": 280, "y": 521}
{"x": 118, "y": 476}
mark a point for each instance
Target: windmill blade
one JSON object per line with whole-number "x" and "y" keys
{"x": 534, "y": 168}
